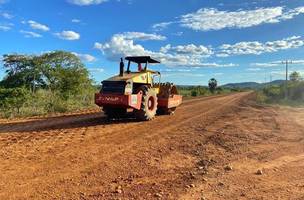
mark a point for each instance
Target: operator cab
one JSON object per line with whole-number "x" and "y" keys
{"x": 140, "y": 61}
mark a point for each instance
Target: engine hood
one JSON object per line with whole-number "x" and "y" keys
{"x": 125, "y": 77}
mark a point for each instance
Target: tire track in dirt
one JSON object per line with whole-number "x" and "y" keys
{"x": 77, "y": 146}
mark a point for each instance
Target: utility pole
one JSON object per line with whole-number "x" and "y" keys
{"x": 270, "y": 80}
{"x": 286, "y": 81}
{"x": 286, "y": 63}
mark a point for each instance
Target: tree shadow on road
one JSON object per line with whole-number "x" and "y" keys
{"x": 63, "y": 122}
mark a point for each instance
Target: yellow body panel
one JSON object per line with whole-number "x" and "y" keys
{"x": 144, "y": 77}
{"x": 156, "y": 89}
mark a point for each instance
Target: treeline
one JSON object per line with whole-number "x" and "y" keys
{"x": 294, "y": 95}
{"x": 39, "y": 84}
{"x": 194, "y": 91}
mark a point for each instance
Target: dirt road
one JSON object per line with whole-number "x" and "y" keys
{"x": 184, "y": 156}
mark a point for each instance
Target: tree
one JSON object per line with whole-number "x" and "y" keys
{"x": 212, "y": 85}
{"x": 52, "y": 82}
{"x": 57, "y": 60}
{"x": 71, "y": 81}
{"x": 65, "y": 73}
{"x": 21, "y": 72}
{"x": 295, "y": 76}
{"x": 59, "y": 71}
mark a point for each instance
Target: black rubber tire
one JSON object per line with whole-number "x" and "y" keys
{"x": 166, "y": 111}
{"x": 148, "y": 104}
{"x": 114, "y": 113}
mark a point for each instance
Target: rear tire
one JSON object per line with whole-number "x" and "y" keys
{"x": 148, "y": 105}
{"x": 166, "y": 111}
{"x": 114, "y": 113}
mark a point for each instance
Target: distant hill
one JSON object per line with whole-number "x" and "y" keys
{"x": 242, "y": 85}
{"x": 252, "y": 85}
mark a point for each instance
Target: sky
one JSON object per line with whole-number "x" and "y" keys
{"x": 195, "y": 40}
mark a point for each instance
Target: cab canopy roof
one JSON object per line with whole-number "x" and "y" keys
{"x": 141, "y": 59}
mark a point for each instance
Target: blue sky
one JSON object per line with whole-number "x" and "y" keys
{"x": 232, "y": 41}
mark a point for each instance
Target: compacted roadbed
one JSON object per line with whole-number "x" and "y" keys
{"x": 211, "y": 148}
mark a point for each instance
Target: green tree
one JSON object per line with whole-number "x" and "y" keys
{"x": 13, "y": 98}
{"x": 55, "y": 82}
{"x": 193, "y": 93}
{"x": 54, "y": 62}
{"x": 58, "y": 70}
{"x": 295, "y": 76}
{"x": 212, "y": 85}
{"x": 21, "y": 71}
{"x": 64, "y": 72}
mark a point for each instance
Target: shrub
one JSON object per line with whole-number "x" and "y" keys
{"x": 296, "y": 91}
{"x": 13, "y": 99}
{"x": 274, "y": 92}
{"x": 261, "y": 97}
{"x": 193, "y": 93}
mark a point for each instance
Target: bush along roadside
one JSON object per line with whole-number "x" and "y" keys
{"x": 275, "y": 94}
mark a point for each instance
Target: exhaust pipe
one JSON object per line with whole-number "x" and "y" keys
{"x": 121, "y": 67}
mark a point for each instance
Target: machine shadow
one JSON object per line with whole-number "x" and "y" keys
{"x": 64, "y": 122}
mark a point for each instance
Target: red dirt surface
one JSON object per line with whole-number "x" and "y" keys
{"x": 184, "y": 156}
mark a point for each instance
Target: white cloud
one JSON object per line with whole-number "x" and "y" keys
{"x": 37, "y": 26}
{"x": 189, "y": 55}
{"x": 176, "y": 70}
{"x": 68, "y": 35}
{"x": 180, "y": 33}
{"x": 122, "y": 44}
{"x": 99, "y": 46}
{"x": 277, "y": 63}
{"x": 213, "y": 19}
{"x": 96, "y": 70}
{"x": 30, "y": 34}
{"x": 188, "y": 49}
{"x": 6, "y": 26}
{"x": 278, "y": 73}
{"x": 85, "y": 57}
{"x": 254, "y": 69}
{"x": 206, "y": 19}
{"x": 86, "y": 2}
{"x": 218, "y": 65}
{"x": 265, "y": 64}
{"x": 76, "y": 20}
{"x": 6, "y": 15}
{"x": 257, "y": 48}
{"x": 119, "y": 46}
{"x": 297, "y": 62}
{"x": 161, "y": 26}
{"x": 292, "y": 13}
{"x": 140, "y": 36}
